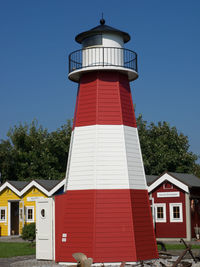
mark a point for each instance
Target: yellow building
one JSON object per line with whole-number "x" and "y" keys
{"x": 18, "y": 202}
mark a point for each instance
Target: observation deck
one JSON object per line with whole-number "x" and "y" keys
{"x": 102, "y": 58}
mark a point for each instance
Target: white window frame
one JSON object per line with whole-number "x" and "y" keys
{"x": 160, "y": 205}
{"x": 33, "y": 212}
{"x": 172, "y": 219}
{"x": 3, "y": 220}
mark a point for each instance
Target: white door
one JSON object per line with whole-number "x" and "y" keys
{"x": 44, "y": 229}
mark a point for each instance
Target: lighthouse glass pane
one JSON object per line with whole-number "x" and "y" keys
{"x": 93, "y": 40}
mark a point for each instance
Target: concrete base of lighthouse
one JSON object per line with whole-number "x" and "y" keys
{"x": 106, "y": 225}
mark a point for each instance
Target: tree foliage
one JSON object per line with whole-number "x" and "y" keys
{"x": 165, "y": 149}
{"x": 31, "y": 152}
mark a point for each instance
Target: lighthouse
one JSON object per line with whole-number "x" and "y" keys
{"x": 105, "y": 211}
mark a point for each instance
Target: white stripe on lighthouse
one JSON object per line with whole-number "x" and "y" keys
{"x": 105, "y": 157}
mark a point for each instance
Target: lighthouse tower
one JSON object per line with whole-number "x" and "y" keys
{"x": 105, "y": 211}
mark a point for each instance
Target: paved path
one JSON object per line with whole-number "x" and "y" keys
{"x": 6, "y": 262}
{"x": 26, "y": 261}
{"x": 13, "y": 238}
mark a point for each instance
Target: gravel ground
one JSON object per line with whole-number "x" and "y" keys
{"x": 12, "y": 239}
{"x": 35, "y": 263}
{"x": 30, "y": 261}
{"x": 26, "y": 261}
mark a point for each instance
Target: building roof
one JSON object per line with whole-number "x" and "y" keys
{"x": 19, "y": 185}
{"x": 48, "y": 187}
{"x": 187, "y": 179}
{"x": 48, "y": 184}
{"x": 102, "y": 28}
{"x": 150, "y": 179}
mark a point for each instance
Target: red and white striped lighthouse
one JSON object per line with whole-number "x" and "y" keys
{"x": 104, "y": 212}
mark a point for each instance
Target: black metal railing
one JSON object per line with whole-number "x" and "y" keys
{"x": 102, "y": 56}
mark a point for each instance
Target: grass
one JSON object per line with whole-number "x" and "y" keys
{"x": 177, "y": 246}
{"x": 8, "y": 250}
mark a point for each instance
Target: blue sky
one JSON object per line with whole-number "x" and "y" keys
{"x": 36, "y": 37}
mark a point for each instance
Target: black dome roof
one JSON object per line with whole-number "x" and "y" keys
{"x": 102, "y": 28}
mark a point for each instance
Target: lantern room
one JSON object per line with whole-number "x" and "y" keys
{"x": 102, "y": 49}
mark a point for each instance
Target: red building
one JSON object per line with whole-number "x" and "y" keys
{"x": 175, "y": 203}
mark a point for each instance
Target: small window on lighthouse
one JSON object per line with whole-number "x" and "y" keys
{"x": 92, "y": 40}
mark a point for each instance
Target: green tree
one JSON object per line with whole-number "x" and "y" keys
{"x": 165, "y": 149}
{"x": 32, "y": 153}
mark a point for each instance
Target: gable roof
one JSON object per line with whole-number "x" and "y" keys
{"x": 189, "y": 179}
{"x": 19, "y": 185}
{"x": 48, "y": 184}
{"x": 48, "y": 187}
{"x": 182, "y": 180}
{"x": 167, "y": 177}
{"x": 150, "y": 179}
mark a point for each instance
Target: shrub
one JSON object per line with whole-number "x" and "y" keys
{"x": 28, "y": 231}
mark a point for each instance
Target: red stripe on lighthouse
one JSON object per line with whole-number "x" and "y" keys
{"x": 104, "y": 98}
{"x": 107, "y": 225}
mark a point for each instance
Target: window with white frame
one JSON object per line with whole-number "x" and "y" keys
{"x": 3, "y": 211}
{"x": 30, "y": 214}
{"x": 160, "y": 212}
{"x": 176, "y": 212}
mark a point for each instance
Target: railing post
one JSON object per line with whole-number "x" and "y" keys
{"x": 136, "y": 67}
{"x": 69, "y": 63}
{"x": 124, "y": 58}
{"x": 103, "y": 56}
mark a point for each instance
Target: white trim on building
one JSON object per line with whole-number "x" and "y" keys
{"x": 176, "y": 212}
{"x": 11, "y": 187}
{"x": 169, "y": 178}
{"x": 31, "y": 184}
{"x": 30, "y": 214}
